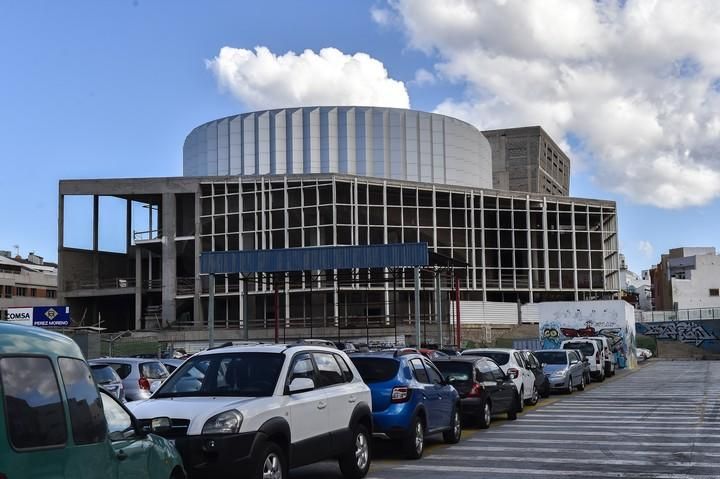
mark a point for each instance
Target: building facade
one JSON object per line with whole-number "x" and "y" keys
{"x": 687, "y": 278}
{"x": 507, "y": 246}
{"x": 527, "y": 159}
{"x": 26, "y": 282}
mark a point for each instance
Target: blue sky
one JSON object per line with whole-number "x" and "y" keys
{"x": 92, "y": 89}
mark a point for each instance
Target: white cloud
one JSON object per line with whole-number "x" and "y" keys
{"x": 635, "y": 81}
{"x": 262, "y": 79}
{"x": 381, "y": 16}
{"x": 646, "y": 249}
{"x": 424, "y": 77}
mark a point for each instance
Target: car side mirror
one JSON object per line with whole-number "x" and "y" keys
{"x": 301, "y": 385}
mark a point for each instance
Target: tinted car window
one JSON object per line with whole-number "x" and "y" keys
{"x": 347, "y": 374}
{"x": 586, "y": 348}
{"x": 122, "y": 370}
{"x": 433, "y": 374}
{"x": 485, "y": 370}
{"x": 520, "y": 360}
{"x": 532, "y": 361}
{"x": 496, "y": 371}
{"x": 456, "y": 371}
{"x": 118, "y": 420}
{"x": 34, "y": 412}
{"x": 230, "y": 374}
{"x": 376, "y": 370}
{"x": 84, "y": 404}
{"x": 103, "y": 374}
{"x": 552, "y": 357}
{"x": 153, "y": 370}
{"x": 419, "y": 371}
{"x": 329, "y": 372}
{"x": 302, "y": 368}
{"x": 499, "y": 358}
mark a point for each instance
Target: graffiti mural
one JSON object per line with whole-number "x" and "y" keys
{"x": 701, "y": 333}
{"x": 613, "y": 320}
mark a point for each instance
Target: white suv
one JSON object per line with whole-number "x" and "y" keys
{"x": 593, "y": 351}
{"x": 512, "y": 363}
{"x": 257, "y": 411}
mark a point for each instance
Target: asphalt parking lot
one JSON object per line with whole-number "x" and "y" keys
{"x": 660, "y": 421}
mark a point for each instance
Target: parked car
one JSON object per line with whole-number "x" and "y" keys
{"x": 172, "y": 364}
{"x": 410, "y": 398}
{"x": 643, "y": 353}
{"x": 512, "y": 364}
{"x": 564, "y": 369}
{"x": 138, "y": 374}
{"x": 106, "y": 377}
{"x": 451, "y": 351}
{"x": 586, "y": 365}
{"x": 346, "y": 347}
{"x": 542, "y": 384}
{"x": 318, "y": 342}
{"x": 264, "y": 409}
{"x": 591, "y": 350}
{"x": 485, "y": 390}
{"x": 433, "y": 354}
{"x": 608, "y": 354}
{"x": 57, "y": 423}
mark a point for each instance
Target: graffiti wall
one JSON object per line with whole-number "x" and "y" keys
{"x": 703, "y": 333}
{"x": 614, "y": 320}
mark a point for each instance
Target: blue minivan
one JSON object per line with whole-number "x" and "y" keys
{"x": 410, "y": 398}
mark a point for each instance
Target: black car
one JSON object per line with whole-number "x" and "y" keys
{"x": 483, "y": 387}
{"x": 542, "y": 384}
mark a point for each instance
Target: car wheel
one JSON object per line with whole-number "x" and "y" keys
{"x": 514, "y": 408}
{"x": 415, "y": 441}
{"x": 581, "y": 387}
{"x": 485, "y": 416}
{"x": 521, "y": 406}
{"x": 602, "y": 376}
{"x": 545, "y": 390}
{"x": 271, "y": 463}
{"x": 534, "y": 398}
{"x": 569, "y": 389}
{"x": 355, "y": 464}
{"x": 453, "y": 435}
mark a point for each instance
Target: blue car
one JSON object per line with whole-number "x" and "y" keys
{"x": 410, "y": 398}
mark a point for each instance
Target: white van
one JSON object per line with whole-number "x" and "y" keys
{"x": 609, "y": 356}
{"x": 593, "y": 351}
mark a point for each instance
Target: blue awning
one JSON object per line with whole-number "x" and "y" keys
{"x": 322, "y": 257}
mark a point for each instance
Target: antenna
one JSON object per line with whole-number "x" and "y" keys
{"x": 17, "y": 249}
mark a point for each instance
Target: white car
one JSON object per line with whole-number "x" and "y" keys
{"x": 592, "y": 351}
{"x": 610, "y": 361}
{"x": 262, "y": 410}
{"x": 512, "y": 363}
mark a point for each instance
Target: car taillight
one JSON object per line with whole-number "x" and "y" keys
{"x": 476, "y": 390}
{"x": 144, "y": 383}
{"x": 513, "y": 373}
{"x": 400, "y": 394}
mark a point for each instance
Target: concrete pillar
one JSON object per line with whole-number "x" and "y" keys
{"x": 169, "y": 270}
{"x": 128, "y": 226}
{"x": 96, "y": 240}
{"x": 197, "y": 295}
{"x": 138, "y": 288}
{"x": 61, "y": 245}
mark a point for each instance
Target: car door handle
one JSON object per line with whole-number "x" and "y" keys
{"x": 121, "y": 455}
{"x": 321, "y": 405}
{"x": 352, "y": 399}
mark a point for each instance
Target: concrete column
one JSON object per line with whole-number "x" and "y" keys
{"x": 169, "y": 270}
{"x": 197, "y": 301}
{"x": 128, "y": 226}
{"x": 138, "y": 288}
{"x": 96, "y": 239}
{"x": 61, "y": 246}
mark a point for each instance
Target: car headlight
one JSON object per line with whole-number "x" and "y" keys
{"x": 559, "y": 373}
{"x": 227, "y": 422}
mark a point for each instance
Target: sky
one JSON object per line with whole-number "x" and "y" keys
{"x": 108, "y": 89}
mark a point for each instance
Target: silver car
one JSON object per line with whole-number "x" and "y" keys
{"x": 138, "y": 374}
{"x": 106, "y": 377}
{"x": 563, "y": 368}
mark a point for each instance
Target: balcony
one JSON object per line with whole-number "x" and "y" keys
{"x": 147, "y": 237}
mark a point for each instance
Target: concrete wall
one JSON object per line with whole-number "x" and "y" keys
{"x": 694, "y": 292}
{"x": 703, "y": 334}
{"x": 613, "y": 319}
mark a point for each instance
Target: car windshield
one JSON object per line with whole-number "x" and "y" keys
{"x": 103, "y": 374}
{"x": 376, "y": 370}
{"x": 500, "y": 358}
{"x": 586, "y": 348}
{"x": 551, "y": 357}
{"x": 455, "y": 371}
{"x": 229, "y": 374}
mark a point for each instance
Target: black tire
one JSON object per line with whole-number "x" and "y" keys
{"x": 355, "y": 463}
{"x": 270, "y": 456}
{"x": 521, "y": 406}
{"x": 485, "y": 416}
{"x": 414, "y": 443}
{"x": 453, "y": 435}
{"x": 570, "y": 386}
{"x": 545, "y": 391}
{"x": 581, "y": 386}
{"x": 177, "y": 474}
{"x": 534, "y": 398}
{"x": 602, "y": 376}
